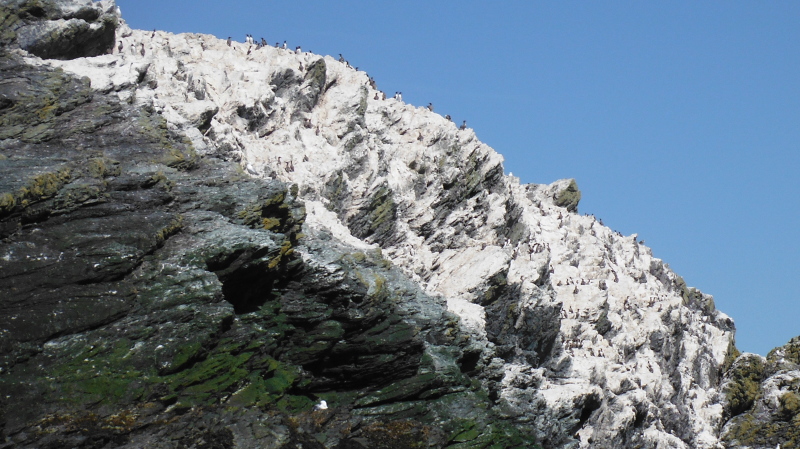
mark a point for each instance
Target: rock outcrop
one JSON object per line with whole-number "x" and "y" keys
{"x": 63, "y": 29}
{"x": 762, "y": 400}
{"x": 203, "y": 242}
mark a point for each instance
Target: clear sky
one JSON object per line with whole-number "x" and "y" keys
{"x": 679, "y": 120}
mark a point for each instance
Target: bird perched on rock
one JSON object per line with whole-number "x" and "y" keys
{"x": 229, "y": 41}
{"x": 430, "y": 107}
{"x": 463, "y": 125}
{"x": 141, "y": 51}
{"x": 284, "y": 45}
{"x": 321, "y": 405}
{"x": 120, "y": 46}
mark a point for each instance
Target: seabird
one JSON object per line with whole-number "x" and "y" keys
{"x": 229, "y": 41}
{"x": 448, "y": 117}
{"x": 463, "y": 125}
{"x": 154, "y": 34}
{"x": 376, "y": 96}
{"x": 341, "y": 58}
{"x": 400, "y": 96}
{"x": 298, "y": 50}
{"x": 120, "y": 46}
{"x": 263, "y": 42}
{"x": 142, "y": 50}
{"x": 250, "y": 169}
{"x": 249, "y": 49}
{"x": 322, "y": 405}
{"x": 284, "y": 45}
{"x": 277, "y": 44}
{"x": 430, "y": 107}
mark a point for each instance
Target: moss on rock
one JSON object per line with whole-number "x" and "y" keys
{"x": 569, "y": 197}
{"x": 745, "y": 380}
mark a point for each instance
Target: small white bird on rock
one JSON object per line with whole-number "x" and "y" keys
{"x": 322, "y": 405}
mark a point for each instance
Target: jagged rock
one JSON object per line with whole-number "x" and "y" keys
{"x": 217, "y": 241}
{"x": 62, "y": 29}
{"x": 762, "y": 398}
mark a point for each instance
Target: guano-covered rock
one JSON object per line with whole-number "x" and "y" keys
{"x": 203, "y": 247}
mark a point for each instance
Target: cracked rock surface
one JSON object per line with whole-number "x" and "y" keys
{"x": 200, "y": 245}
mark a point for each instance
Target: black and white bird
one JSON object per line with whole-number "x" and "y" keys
{"x": 263, "y": 42}
{"x": 284, "y": 45}
{"x": 448, "y": 117}
{"x": 229, "y": 41}
{"x": 463, "y": 125}
{"x": 120, "y": 47}
{"x": 298, "y": 50}
{"x": 430, "y": 107}
{"x": 154, "y": 34}
{"x": 141, "y": 50}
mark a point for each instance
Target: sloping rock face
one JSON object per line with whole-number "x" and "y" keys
{"x": 154, "y": 297}
{"x": 202, "y": 241}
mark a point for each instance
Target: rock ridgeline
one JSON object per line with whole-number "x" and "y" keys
{"x": 212, "y": 246}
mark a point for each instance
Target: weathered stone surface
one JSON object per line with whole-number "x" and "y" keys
{"x": 155, "y": 295}
{"x": 762, "y": 398}
{"x": 60, "y": 29}
{"x": 198, "y": 247}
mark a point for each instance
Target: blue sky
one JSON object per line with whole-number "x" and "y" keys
{"x": 679, "y": 120}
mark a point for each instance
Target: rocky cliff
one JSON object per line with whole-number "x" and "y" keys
{"x": 212, "y": 245}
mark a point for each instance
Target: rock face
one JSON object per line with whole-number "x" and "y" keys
{"x": 763, "y": 399}
{"x": 200, "y": 244}
{"x": 63, "y": 29}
